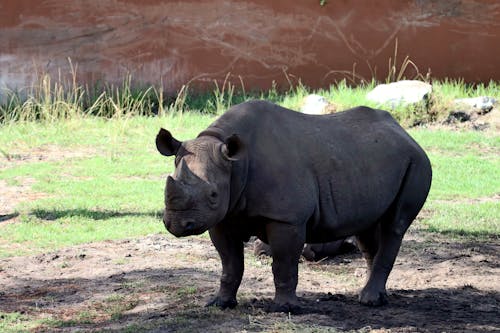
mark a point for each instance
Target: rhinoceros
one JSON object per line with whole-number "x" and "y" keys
{"x": 312, "y": 252}
{"x": 290, "y": 178}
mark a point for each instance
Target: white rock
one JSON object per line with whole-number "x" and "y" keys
{"x": 400, "y": 93}
{"x": 482, "y": 103}
{"x": 314, "y": 104}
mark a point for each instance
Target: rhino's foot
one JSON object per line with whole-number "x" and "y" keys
{"x": 222, "y": 303}
{"x": 293, "y": 308}
{"x": 375, "y": 298}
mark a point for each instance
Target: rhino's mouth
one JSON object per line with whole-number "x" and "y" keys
{"x": 184, "y": 228}
{"x": 186, "y": 232}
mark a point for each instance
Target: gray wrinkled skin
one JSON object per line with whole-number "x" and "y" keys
{"x": 290, "y": 178}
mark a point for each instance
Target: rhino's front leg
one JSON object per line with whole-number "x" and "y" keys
{"x": 286, "y": 242}
{"x": 230, "y": 249}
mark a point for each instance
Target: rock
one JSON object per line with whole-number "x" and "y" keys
{"x": 314, "y": 104}
{"x": 317, "y": 104}
{"x": 481, "y": 105}
{"x": 400, "y": 93}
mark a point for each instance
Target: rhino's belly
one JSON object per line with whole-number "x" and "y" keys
{"x": 353, "y": 201}
{"x": 331, "y": 222}
{"x": 333, "y": 230}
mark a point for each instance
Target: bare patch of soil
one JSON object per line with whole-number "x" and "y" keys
{"x": 45, "y": 153}
{"x": 19, "y": 189}
{"x": 12, "y": 195}
{"x": 160, "y": 284}
{"x": 474, "y": 120}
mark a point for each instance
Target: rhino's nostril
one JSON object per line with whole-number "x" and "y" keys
{"x": 189, "y": 226}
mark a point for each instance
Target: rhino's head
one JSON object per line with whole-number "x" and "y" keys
{"x": 197, "y": 193}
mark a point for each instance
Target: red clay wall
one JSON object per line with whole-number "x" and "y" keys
{"x": 176, "y": 42}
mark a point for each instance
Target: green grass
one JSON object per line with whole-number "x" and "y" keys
{"x": 113, "y": 192}
{"x": 112, "y": 306}
{"x": 466, "y": 164}
{"x": 52, "y": 229}
{"x": 469, "y": 176}
{"x": 15, "y": 322}
{"x": 50, "y": 100}
{"x": 464, "y": 218}
{"x": 457, "y": 142}
{"x": 466, "y": 181}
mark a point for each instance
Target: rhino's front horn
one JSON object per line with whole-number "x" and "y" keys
{"x": 177, "y": 196}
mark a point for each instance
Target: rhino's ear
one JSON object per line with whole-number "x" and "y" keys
{"x": 232, "y": 148}
{"x": 166, "y": 144}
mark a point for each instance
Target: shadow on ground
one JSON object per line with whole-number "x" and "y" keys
{"x": 435, "y": 310}
{"x": 172, "y": 300}
{"x": 7, "y": 217}
{"x": 51, "y": 215}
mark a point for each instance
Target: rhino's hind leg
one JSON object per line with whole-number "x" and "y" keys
{"x": 368, "y": 243}
{"x": 380, "y": 251}
{"x": 230, "y": 250}
{"x": 390, "y": 231}
{"x": 286, "y": 243}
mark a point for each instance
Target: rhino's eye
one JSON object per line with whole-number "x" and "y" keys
{"x": 213, "y": 198}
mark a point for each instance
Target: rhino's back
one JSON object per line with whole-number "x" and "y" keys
{"x": 258, "y": 121}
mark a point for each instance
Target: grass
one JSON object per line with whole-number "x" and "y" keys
{"x": 52, "y": 99}
{"x": 466, "y": 181}
{"x": 112, "y": 308}
{"x": 115, "y": 191}
{"x": 15, "y": 322}
{"x": 469, "y": 176}
{"x": 464, "y": 218}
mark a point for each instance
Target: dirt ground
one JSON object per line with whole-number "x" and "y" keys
{"x": 160, "y": 284}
